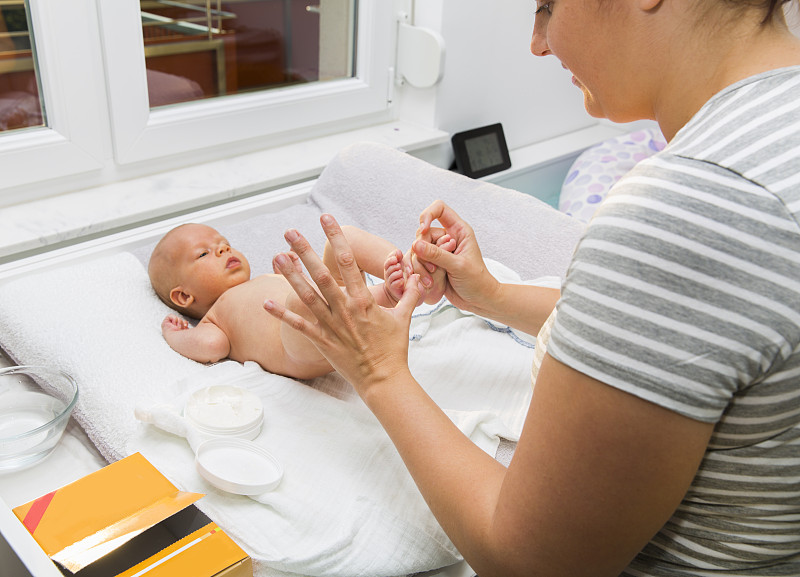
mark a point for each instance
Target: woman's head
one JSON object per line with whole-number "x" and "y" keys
{"x": 603, "y": 44}
{"x": 661, "y": 59}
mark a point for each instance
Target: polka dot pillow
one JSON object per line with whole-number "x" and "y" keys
{"x": 598, "y": 168}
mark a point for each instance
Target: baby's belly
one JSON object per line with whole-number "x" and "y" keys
{"x": 260, "y": 342}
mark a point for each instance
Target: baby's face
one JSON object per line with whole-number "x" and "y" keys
{"x": 206, "y": 264}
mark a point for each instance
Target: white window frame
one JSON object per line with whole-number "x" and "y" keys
{"x": 269, "y": 118}
{"x": 91, "y": 67}
{"x": 73, "y": 142}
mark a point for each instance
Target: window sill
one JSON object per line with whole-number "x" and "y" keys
{"x": 41, "y": 225}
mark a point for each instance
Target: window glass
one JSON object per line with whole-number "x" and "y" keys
{"x": 20, "y": 102}
{"x": 196, "y": 49}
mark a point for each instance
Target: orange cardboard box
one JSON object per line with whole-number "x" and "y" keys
{"x": 128, "y": 520}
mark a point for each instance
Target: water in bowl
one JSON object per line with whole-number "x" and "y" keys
{"x": 22, "y": 413}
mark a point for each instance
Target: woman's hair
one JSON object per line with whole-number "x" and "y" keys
{"x": 770, "y": 7}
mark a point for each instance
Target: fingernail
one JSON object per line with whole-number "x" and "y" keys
{"x": 327, "y": 219}
{"x": 269, "y": 304}
{"x": 281, "y": 260}
{"x": 427, "y": 282}
{"x": 291, "y": 235}
{"x": 430, "y": 267}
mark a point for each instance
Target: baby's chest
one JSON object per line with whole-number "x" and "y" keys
{"x": 243, "y": 319}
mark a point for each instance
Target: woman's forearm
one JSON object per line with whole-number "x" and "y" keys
{"x": 522, "y": 307}
{"x": 459, "y": 481}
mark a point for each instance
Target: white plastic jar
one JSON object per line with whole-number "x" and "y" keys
{"x": 222, "y": 411}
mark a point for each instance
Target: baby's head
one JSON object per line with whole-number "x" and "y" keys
{"x": 192, "y": 266}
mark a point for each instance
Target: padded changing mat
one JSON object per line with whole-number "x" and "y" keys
{"x": 346, "y": 506}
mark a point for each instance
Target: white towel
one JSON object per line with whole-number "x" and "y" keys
{"x": 346, "y": 505}
{"x": 99, "y": 321}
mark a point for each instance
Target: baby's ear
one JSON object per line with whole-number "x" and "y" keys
{"x": 180, "y": 298}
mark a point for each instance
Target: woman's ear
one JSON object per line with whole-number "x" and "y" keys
{"x": 648, "y": 5}
{"x": 180, "y": 298}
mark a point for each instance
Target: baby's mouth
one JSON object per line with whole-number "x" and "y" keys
{"x": 233, "y": 262}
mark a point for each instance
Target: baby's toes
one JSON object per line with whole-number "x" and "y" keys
{"x": 394, "y": 286}
{"x": 448, "y": 245}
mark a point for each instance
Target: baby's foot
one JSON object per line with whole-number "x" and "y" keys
{"x": 393, "y": 277}
{"x": 436, "y": 290}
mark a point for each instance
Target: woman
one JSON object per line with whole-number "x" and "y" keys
{"x": 664, "y": 431}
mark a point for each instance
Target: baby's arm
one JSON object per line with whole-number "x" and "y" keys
{"x": 205, "y": 343}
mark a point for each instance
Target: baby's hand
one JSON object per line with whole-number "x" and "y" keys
{"x": 173, "y": 323}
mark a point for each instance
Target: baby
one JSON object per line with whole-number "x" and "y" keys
{"x": 195, "y": 271}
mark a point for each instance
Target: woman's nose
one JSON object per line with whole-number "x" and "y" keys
{"x": 539, "y": 46}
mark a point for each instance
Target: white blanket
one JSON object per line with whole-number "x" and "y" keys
{"x": 346, "y": 505}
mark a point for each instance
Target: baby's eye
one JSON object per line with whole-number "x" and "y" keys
{"x": 202, "y": 254}
{"x": 544, "y": 8}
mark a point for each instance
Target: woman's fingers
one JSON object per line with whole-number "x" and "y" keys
{"x": 438, "y": 210}
{"x": 430, "y": 253}
{"x": 293, "y": 320}
{"x": 412, "y": 294}
{"x": 283, "y": 264}
{"x": 345, "y": 259}
{"x": 313, "y": 263}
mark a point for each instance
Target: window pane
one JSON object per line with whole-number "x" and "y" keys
{"x": 20, "y": 102}
{"x": 198, "y": 49}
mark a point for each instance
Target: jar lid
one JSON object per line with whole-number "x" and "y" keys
{"x": 224, "y": 410}
{"x": 238, "y": 466}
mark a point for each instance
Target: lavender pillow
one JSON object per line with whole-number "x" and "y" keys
{"x": 598, "y": 168}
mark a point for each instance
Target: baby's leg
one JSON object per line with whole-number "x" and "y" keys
{"x": 303, "y": 359}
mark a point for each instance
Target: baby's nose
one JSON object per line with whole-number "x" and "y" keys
{"x": 223, "y": 248}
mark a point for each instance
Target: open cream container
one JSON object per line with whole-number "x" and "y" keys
{"x": 221, "y": 421}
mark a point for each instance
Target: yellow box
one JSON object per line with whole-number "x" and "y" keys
{"x": 130, "y": 520}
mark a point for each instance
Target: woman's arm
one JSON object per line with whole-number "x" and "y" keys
{"x": 596, "y": 472}
{"x": 595, "y": 475}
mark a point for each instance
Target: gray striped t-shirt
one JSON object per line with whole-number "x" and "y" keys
{"x": 685, "y": 291}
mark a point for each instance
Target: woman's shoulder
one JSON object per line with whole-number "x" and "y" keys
{"x": 749, "y": 129}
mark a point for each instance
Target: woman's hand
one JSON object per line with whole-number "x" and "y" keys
{"x": 470, "y": 286}
{"x": 367, "y": 344}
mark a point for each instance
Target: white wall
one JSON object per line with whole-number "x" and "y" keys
{"x": 490, "y": 75}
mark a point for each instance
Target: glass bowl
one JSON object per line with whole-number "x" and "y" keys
{"x": 35, "y": 405}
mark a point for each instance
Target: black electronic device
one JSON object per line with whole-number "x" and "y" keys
{"x": 481, "y": 151}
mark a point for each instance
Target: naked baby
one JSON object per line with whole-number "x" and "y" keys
{"x": 196, "y": 272}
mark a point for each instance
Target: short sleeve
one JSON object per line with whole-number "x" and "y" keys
{"x": 683, "y": 290}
